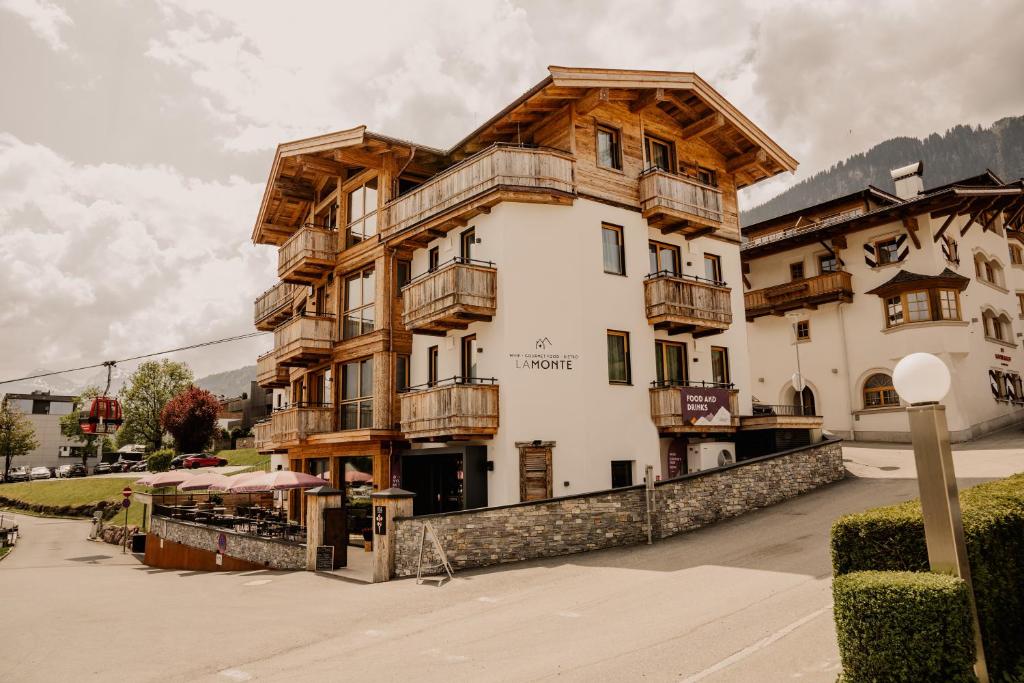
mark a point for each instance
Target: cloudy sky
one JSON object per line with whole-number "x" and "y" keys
{"x": 135, "y": 136}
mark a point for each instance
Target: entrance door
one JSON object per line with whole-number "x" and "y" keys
{"x": 534, "y": 473}
{"x": 437, "y": 481}
{"x": 808, "y": 401}
{"x": 336, "y": 534}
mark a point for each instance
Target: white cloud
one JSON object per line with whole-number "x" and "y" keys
{"x": 44, "y": 18}
{"x": 109, "y": 261}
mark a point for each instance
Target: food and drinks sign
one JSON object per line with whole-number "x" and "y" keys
{"x": 706, "y": 406}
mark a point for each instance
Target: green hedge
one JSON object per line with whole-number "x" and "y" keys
{"x": 892, "y": 538}
{"x": 903, "y": 626}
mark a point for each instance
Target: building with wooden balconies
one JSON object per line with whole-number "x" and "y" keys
{"x": 274, "y": 306}
{"x": 520, "y": 255}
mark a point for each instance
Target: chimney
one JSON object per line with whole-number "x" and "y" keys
{"x": 908, "y": 180}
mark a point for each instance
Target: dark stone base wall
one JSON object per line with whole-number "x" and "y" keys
{"x": 563, "y": 526}
{"x": 262, "y": 552}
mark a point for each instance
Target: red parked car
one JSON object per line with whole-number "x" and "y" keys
{"x": 202, "y": 460}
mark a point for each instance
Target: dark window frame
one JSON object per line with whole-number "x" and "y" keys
{"x": 627, "y": 360}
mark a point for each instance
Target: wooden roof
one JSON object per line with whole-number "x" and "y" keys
{"x": 298, "y": 166}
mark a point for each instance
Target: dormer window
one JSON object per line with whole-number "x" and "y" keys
{"x": 913, "y": 298}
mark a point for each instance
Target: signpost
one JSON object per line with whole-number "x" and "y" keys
{"x": 324, "y": 558}
{"x": 380, "y": 520}
{"x": 126, "y": 503}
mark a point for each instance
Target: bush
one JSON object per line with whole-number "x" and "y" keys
{"x": 903, "y": 626}
{"x": 159, "y": 461}
{"x": 892, "y": 538}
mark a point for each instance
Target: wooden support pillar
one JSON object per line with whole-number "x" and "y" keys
{"x": 322, "y": 525}
{"x": 387, "y": 505}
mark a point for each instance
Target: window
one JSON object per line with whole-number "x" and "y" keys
{"x": 658, "y": 153}
{"x": 949, "y": 249}
{"x": 887, "y": 251}
{"x": 618, "y": 358}
{"x": 796, "y": 271}
{"x": 401, "y": 372}
{"x": 827, "y": 263}
{"x": 359, "y": 295}
{"x": 468, "y": 358}
{"x": 949, "y": 304}
{"x": 432, "y": 365}
{"x": 356, "y": 410}
{"x": 466, "y": 241}
{"x": 433, "y": 259}
{"x": 622, "y": 473}
{"x": 40, "y": 407}
{"x": 329, "y": 187}
{"x": 534, "y": 473}
{"x": 713, "y": 267}
{"x": 664, "y": 258}
{"x": 720, "y": 365}
{"x": 362, "y": 213}
{"x": 1020, "y": 304}
{"x": 327, "y": 217}
{"x": 879, "y": 391}
{"x": 318, "y": 389}
{"x": 917, "y": 306}
{"x": 707, "y": 177}
{"x": 609, "y": 154}
{"x": 403, "y": 273}
{"x": 922, "y": 305}
{"x": 613, "y": 249}
{"x": 997, "y": 326}
{"x": 670, "y": 363}
{"x": 1016, "y": 255}
{"x": 803, "y": 330}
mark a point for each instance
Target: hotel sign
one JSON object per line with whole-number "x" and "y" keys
{"x": 706, "y": 406}
{"x": 541, "y": 358}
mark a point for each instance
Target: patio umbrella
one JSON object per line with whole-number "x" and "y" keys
{"x": 280, "y": 480}
{"x": 204, "y": 480}
{"x": 355, "y": 476}
{"x": 144, "y": 480}
{"x": 169, "y": 479}
{"x": 234, "y": 484}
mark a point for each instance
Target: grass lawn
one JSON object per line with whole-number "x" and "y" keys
{"x": 246, "y": 456}
{"x": 82, "y": 491}
{"x": 3, "y": 551}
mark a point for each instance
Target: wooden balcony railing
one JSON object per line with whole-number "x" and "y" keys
{"x": 269, "y": 373}
{"x": 262, "y": 435}
{"x": 687, "y": 304}
{"x": 667, "y": 410}
{"x": 784, "y": 416}
{"x": 304, "y": 340}
{"x": 273, "y": 306}
{"x": 450, "y": 297}
{"x": 298, "y": 422}
{"x": 805, "y": 292}
{"x": 453, "y": 409}
{"x": 454, "y": 193}
{"x": 674, "y": 203}
{"x": 307, "y": 255}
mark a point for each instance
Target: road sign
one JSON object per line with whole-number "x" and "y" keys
{"x": 126, "y": 492}
{"x": 126, "y": 503}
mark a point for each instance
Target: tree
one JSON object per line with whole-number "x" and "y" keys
{"x": 191, "y": 418}
{"x": 71, "y": 428}
{"x": 17, "y": 435}
{"x": 149, "y": 389}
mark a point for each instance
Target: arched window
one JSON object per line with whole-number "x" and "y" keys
{"x": 997, "y": 327}
{"x": 879, "y": 391}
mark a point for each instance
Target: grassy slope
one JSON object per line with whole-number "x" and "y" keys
{"x": 75, "y": 492}
{"x": 246, "y": 456}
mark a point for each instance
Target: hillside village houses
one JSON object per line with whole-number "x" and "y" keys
{"x": 546, "y": 308}
{"x": 848, "y": 287}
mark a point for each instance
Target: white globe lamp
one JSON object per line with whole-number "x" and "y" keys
{"x": 921, "y": 378}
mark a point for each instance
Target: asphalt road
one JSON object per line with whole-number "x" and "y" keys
{"x": 745, "y": 600}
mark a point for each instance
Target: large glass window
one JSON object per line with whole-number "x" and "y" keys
{"x": 613, "y": 249}
{"x": 362, "y": 213}
{"x": 609, "y": 154}
{"x": 359, "y": 298}
{"x": 664, "y": 258}
{"x": 713, "y": 267}
{"x": 659, "y": 154}
{"x": 357, "y": 394}
{"x": 720, "y": 365}
{"x": 879, "y": 391}
{"x": 618, "y": 357}
{"x": 670, "y": 362}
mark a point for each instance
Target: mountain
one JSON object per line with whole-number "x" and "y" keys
{"x": 230, "y": 383}
{"x": 958, "y": 153}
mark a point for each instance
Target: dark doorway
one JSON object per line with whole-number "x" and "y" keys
{"x": 447, "y": 481}
{"x": 336, "y": 534}
{"x": 622, "y": 473}
{"x": 807, "y": 396}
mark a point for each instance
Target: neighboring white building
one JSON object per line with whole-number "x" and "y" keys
{"x": 44, "y": 411}
{"x": 852, "y": 285}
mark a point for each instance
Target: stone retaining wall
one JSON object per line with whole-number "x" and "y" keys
{"x": 266, "y": 552}
{"x": 562, "y": 526}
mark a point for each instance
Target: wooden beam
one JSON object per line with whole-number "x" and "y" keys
{"x": 839, "y": 241}
{"x": 296, "y": 189}
{"x": 709, "y": 123}
{"x": 592, "y": 99}
{"x": 698, "y": 233}
{"x": 746, "y": 282}
{"x": 1009, "y": 221}
{"x": 752, "y": 158}
{"x": 912, "y": 227}
{"x": 688, "y": 111}
{"x": 990, "y": 221}
{"x": 975, "y": 215}
{"x": 945, "y": 224}
{"x": 647, "y": 99}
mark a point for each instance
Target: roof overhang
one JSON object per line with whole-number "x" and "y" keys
{"x": 905, "y": 280}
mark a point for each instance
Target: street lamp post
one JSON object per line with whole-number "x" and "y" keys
{"x": 923, "y": 380}
{"x": 798, "y": 378}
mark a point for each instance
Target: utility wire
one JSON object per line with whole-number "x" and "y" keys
{"x": 147, "y": 355}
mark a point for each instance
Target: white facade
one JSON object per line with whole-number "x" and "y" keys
{"x": 54, "y": 449}
{"x": 850, "y": 342}
{"x": 555, "y": 298}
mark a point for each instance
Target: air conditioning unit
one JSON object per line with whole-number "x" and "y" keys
{"x": 709, "y": 455}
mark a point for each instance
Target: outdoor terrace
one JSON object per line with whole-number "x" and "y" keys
{"x": 808, "y": 292}
{"x": 667, "y": 408}
{"x": 686, "y": 303}
{"x": 451, "y": 409}
{"x": 304, "y": 340}
{"x": 299, "y": 421}
{"x": 307, "y": 255}
{"x": 269, "y": 373}
{"x": 273, "y": 306}
{"x": 450, "y": 297}
{"x": 675, "y": 203}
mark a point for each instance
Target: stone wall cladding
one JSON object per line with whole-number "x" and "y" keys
{"x": 263, "y": 551}
{"x": 563, "y": 526}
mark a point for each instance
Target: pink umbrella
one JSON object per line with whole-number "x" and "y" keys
{"x": 280, "y": 480}
{"x": 353, "y": 476}
{"x": 144, "y": 480}
{"x": 235, "y": 483}
{"x": 204, "y": 480}
{"x": 172, "y": 478}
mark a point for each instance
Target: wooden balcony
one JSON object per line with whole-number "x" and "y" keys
{"x": 294, "y": 424}
{"x": 261, "y": 432}
{"x": 307, "y": 255}
{"x": 473, "y": 186}
{"x": 667, "y": 412}
{"x": 451, "y": 410}
{"x": 274, "y": 306}
{"x": 450, "y": 297}
{"x": 674, "y": 203}
{"x": 269, "y": 373}
{"x": 687, "y": 304}
{"x": 304, "y": 340}
{"x": 808, "y": 292}
{"x": 781, "y": 417}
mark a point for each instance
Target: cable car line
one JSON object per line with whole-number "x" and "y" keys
{"x": 110, "y": 363}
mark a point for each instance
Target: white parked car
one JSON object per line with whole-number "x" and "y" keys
{"x": 63, "y": 470}
{"x": 39, "y": 473}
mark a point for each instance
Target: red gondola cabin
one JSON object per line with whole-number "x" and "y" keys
{"x": 103, "y": 416}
